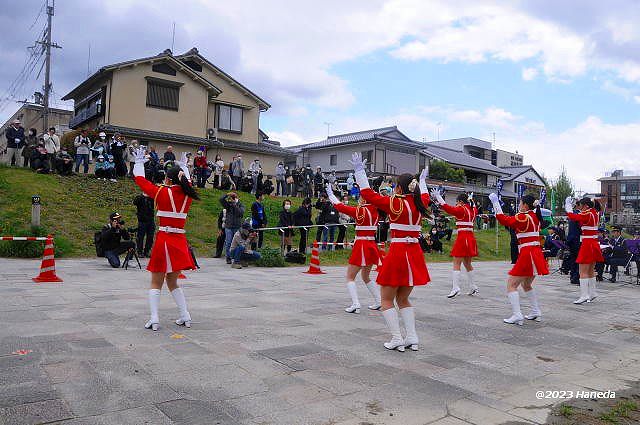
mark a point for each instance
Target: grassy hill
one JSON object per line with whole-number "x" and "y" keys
{"x": 73, "y": 208}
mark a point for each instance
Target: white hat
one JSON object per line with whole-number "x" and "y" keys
{"x": 102, "y": 134}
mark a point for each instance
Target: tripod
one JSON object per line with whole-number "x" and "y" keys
{"x": 131, "y": 253}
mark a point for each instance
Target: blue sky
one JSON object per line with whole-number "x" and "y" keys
{"x": 557, "y": 81}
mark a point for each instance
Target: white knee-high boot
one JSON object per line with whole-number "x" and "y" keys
{"x": 535, "y": 314}
{"x": 154, "y": 302}
{"x": 584, "y": 291}
{"x": 455, "y": 288}
{"x": 374, "y": 290}
{"x": 391, "y": 317}
{"x": 473, "y": 288}
{"x": 181, "y": 302}
{"x": 516, "y": 316}
{"x": 591, "y": 290}
{"x": 409, "y": 319}
{"x": 355, "y": 302}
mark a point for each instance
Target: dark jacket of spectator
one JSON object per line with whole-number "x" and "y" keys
{"x": 144, "y": 208}
{"x": 286, "y": 220}
{"x": 111, "y": 237}
{"x": 302, "y": 216}
{"x": 169, "y": 156}
{"x": 258, "y": 215}
{"x": 12, "y": 134}
{"x": 235, "y": 213}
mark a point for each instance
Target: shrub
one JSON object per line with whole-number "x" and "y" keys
{"x": 270, "y": 257}
{"x": 23, "y": 249}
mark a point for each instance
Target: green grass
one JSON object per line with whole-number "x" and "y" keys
{"x": 622, "y": 409}
{"x": 73, "y": 208}
{"x": 566, "y": 410}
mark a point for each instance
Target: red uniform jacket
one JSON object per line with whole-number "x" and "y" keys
{"x": 465, "y": 244}
{"x": 531, "y": 260}
{"x": 170, "y": 251}
{"x": 365, "y": 252}
{"x": 590, "y": 251}
{"x": 404, "y": 264}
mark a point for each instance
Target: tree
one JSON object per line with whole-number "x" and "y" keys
{"x": 441, "y": 170}
{"x": 561, "y": 187}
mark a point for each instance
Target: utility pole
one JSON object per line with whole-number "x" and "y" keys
{"x": 47, "y": 74}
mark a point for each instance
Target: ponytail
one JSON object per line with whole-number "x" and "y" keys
{"x": 532, "y": 203}
{"x": 176, "y": 176}
{"x": 596, "y": 205}
{"x": 405, "y": 181}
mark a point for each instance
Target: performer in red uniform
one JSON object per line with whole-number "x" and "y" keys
{"x": 465, "y": 247}
{"x": 531, "y": 261}
{"x": 403, "y": 266}
{"x": 364, "y": 254}
{"x": 170, "y": 254}
{"x": 590, "y": 252}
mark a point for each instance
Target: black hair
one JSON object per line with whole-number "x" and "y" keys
{"x": 404, "y": 180}
{"x": 591, "y": 203}
{"x": 306, "y": 201}
{"x": 530, "y": 201}
{"x": 172, "y": 175}
{"x": 258, "y": 194}
{"x": 285, "y": 201}
{"x": 463, "y": 197}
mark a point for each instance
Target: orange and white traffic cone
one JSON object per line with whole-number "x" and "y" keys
{"x": 314, "y": 264}
{"x": 48, "y": 266}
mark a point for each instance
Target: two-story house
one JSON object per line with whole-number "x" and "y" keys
{"x": 180, "y": 100}
{"x": 524, "y": 179}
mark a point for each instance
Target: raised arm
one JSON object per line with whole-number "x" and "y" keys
{"x": 339, "y": 206}
{"x": 138, "y": 171}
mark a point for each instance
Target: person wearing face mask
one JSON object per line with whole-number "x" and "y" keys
{"x": 100, "y": 145}
{"x": 255, "y": 169}
{"x": 15, "y": 142}
{"x": 39, "y": 159}
{"x": 286, "y": 220}
{"x": 237, "y": 168}
{"x": 302, "y": 217}
{"x": 200, "y": 167}
{"x": 233, "y": 219}
{"x": 110, "y": 167}
{"x": 288, "y": 182}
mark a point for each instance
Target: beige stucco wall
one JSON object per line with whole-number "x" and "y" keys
{"x": 269, "y": 162}
{"x": 129, "y": 97}
{"x": 234, "y": 94}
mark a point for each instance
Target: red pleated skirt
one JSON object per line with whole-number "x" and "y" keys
{"x": 170, "y": 253}
{"x": 531, "y": 262}
{"x": 590, "y": 252}
{"x": 364, "y": 253}
{"x": 403, "y": 265}
{"x": 465, "y": 245}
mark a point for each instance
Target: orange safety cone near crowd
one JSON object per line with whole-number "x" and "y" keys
{"x": 48, "y": 267}
{"x": 314, "y": 264}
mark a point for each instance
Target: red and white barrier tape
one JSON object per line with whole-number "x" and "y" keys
{"x": 23, "y": 238}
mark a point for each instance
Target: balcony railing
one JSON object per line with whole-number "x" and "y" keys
{"x": 85, "y": 115}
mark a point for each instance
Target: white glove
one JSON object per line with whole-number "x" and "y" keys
{"x": 568, "y": 204}
{"x": 423, "y": 180}
{"x": 470, "y": 197}
{"x": 183, "y": 165}
{"x": 358, "y": 163}
{"x": 495, "y": 201}
{"x": 331, "y": 195}
{"x": 139, "y": 158}
{"x": 435, "y": 194}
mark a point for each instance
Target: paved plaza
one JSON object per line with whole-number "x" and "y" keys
{"x": 273, "y": 346}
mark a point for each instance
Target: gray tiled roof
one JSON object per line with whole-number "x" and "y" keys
{"x": 462, "y": 159}
{"x": 516, "y": 170}
{"x": 358, "y": 136}
{"x": 262, "y": 147}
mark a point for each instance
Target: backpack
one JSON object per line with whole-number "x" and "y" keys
{"x": 295, "y": 257}
{"x": 97, "y": 241}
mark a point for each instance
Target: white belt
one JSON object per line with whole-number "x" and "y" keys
{"x": 528, "y": 235}
{"x": 365, "y": 238}
{"x": 464, "y": 223}
{"x": 366, "y": 227}
{"x": 589, "y": 228}
{"x": 528, "y": 244}
{"x": 169, "y": 229}
{"x": 408, "y": 239}
{"x": 465, "y": 229}
{"x": 589, "y": 237}
{"x": 171, "y": 214}
{"x": 405, "y": 227}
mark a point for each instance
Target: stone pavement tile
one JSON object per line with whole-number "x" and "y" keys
{"x": 23, "y": 315}
{"x": 254, "y": 405}
{"x": 35, "y": 413}
{"x": 290, "y": 351}
{"x": 26, "y": 392}
{"x": 145, "y": 415}
{"x": 532, "y": 414}
{"x": 196, "y": 412}
{"x": 213, "y": 382}
{"x": 101, "y": 386}
{"x": 449, "y": 420}
{"x": 480, "y": 380}
{"x": 330, "y": 381}
{"x": 295, "y": 390}
{"x": 479, "y": 414}
{"x": 310, "y": 413}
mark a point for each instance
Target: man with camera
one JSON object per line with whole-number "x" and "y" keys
{"x": 233, "y": 219}
{"x": 146, "y": 224}
{"x": 116, "y": 240}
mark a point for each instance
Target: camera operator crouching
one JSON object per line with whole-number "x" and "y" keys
{"x": 116, "y": 240}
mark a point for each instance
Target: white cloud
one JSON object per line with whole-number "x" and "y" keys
{"x": 529, "y": 74}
